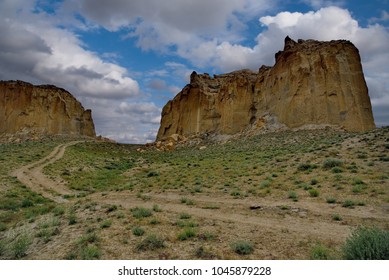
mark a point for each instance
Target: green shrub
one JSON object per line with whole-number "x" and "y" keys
{"x": 331, "y": 163}
{"x": 331, "y": 200}
{"x": 337, "y": 170}
{"x": 348, "y": 204}
{"x": 72, "y": 218}
{"x": 367, "y": 244}
{"x": 314, "y": 182}
{"x": 58, "y": 211}
{"x": 151, "y": 242}
{"x": 320, "y": 252}
{"x": 186, "y": 234}
{"x": 293, "y": 195}
{"x": 242, "y": 247}
{"x": 314, "y": 193}
{"x": 106, "y": 224}
{"x": 20, "y": 246}
{"x": 337, "y": 217}
{"x": 27, "y": 203}
{"x": 90, "y": 252}
{"x": 185, "y": 216}
{"x": 304, "y": 167}
{"x": 138, "y": 231}
{"x": 140, "y": 212}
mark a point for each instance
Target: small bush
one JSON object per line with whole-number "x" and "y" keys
{"x": 367, "y": 244}
{"x": 314, "y": 193}
{"x": 320, "y": 252}
{"x": 151, "y": 242}
{"x": 304, "y": 167}
{"x": 331, "y": 200}
{"x": 138, "y": 231}
{"x": 331, "y": 163}
{"x": 337, "y": 217}
{"x": 185, "y": 216}
{"x": 314, "y": 182}
{"x": 58, "y": 211}
{"x": 186, "y": 234}
{"x": 20, "y": 246}
{"x": 348, "y": 204}
{"x": 72, "y": 218}
{"x": 139, "y": 212}
{"x": 337, "y": 170}
{"x": 242, "y": 247}
{"x": 293, "y": 195}
{"x": 27, "y": 203}
{"x": 106, "y": 224}
{"x": 90, "y": 252}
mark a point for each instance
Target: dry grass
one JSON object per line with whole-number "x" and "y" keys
{"x": 277, "y": 196}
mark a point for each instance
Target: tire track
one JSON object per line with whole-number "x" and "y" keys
{"x": 32, "y": 176}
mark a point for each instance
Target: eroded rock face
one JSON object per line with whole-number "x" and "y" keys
{"x": 45, "y": 110}
{"x": 312, "y": 83}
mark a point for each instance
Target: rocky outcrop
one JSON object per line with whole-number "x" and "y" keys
{"x": 42, "y": 110}
{"x": 311, "y": 84}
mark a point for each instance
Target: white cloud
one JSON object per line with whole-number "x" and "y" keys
{"x": 37, "y": 50}
{"x": 328, "y": 23}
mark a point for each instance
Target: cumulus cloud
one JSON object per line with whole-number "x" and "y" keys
{"x": 161, "y": 25}
{"x": 33, "y": 48}
{"x": 328, "y": 23}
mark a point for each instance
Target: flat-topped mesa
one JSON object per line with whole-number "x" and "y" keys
{"x": 312, "y": 83}
{"x": 42, "y": 110}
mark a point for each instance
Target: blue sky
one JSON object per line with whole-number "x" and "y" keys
{"x": 125, "y": 59}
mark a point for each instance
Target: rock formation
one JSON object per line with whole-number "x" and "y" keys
{"x": 42, "y": 110}
{"x": 312, "y": 83}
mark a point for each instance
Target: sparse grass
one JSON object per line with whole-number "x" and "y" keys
{"x": 348, "y": 203}
{"x": 331, "y": 163}
{"x": 150, "y": 243}
{"x": 293, "y": 195}
{"x": 331, "y": 200}
{"x": 242, "y": 247}
{"x": 140, "y": 212}
{"x": 184, "y": 216}
{"x": 186, "y": 234}
{"x": 320, "y": 252}
{"x": 276, "y": 167}
{"x": 138, "y": 231}
{"x": 314, "y": 193}
{"x": 337, "y": 217}
{"x": 106, "y": 224}
{"x": 20, "y": 246}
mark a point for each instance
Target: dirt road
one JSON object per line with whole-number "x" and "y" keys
{"x": 31, "y": 175}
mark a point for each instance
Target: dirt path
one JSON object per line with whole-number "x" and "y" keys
{"x": 32, "y": 176}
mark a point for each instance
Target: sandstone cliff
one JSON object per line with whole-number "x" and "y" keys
{"x": 312, "y": 83}
{"x": 44, "y": 110}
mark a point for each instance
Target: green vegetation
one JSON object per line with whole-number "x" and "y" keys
{"x": 121, "y": 194}
{"x": 140, "y": 212}
{"x": 242, "y": 247}
{"x": 138, "y": 231}
{"x": 320, "y": 252}
{"x": 151, "y": 242}
{"x": 186, "y": 234}
{"x": 367, "y": 244}
{"x": 20, "y": 246}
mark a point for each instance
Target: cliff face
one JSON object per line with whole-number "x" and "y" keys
{"x": 311, "y": 83}
{"x": 46, "y": 110}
